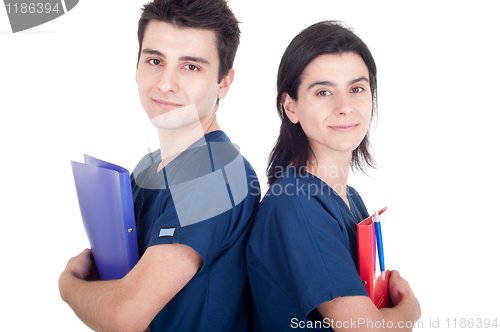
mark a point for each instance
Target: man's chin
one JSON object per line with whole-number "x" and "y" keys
{"x": 182, "y": 117}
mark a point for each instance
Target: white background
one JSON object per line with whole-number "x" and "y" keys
{"x": 67, "y": 88}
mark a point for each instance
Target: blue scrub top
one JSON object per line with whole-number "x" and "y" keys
{"x": 302, "y": 251}
{"x": 205, "y": 198}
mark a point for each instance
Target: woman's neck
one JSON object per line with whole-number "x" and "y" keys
{"x": 333, "y": 170}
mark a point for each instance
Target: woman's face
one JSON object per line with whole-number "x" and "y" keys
{"x": 334, "y": 103}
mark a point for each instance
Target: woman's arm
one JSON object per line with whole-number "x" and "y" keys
{"x": 358, "y": 313}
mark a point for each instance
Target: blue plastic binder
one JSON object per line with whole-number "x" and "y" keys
{"x": 106, "y": 204}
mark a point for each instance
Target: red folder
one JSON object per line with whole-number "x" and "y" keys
{"x": 367, "y": 258}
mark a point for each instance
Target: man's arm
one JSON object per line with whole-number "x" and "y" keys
{"x": 130, "y": 303}
{"x": 361, "y": 309}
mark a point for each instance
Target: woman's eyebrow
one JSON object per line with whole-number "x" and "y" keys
{"x": 329, "y": 83}
{"x": 359, "y": 79}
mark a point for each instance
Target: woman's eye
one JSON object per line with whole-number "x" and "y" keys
{"x": 357, "y": 89}
{"x": 324, "y": 93}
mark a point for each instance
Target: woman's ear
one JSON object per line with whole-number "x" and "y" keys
{"x": 289, "y": 107}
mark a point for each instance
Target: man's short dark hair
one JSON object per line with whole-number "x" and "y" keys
{"x": 212, "y": 15}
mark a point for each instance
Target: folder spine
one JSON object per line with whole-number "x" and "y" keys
{"x": 104, "y": 194}
{"x": 376, "y": 287}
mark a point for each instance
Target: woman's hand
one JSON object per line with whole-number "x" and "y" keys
{"x": 400, "y": 289}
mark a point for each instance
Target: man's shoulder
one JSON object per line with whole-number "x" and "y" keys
{"x": 227, "y": 155}
{"x": 207, "y": 160}
{"x": 145, "y": 170}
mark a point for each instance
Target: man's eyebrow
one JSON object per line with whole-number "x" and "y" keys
{"x": 183, "y": 58}
{"x": 153, "y": 52}
{"x": 329, "y": 83}
{"x": 194, "y": 59}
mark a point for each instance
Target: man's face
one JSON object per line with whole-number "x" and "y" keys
{"x": 179, "y": 68}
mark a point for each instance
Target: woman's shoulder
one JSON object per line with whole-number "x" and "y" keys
{"x": 297, "y": 184}
{"x": 294, "y": 185}
{"x": 296, "y": 193}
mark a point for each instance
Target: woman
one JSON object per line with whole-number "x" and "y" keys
{"x": 302, "y": 253}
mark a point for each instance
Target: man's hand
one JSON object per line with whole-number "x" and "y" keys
{"x": 83, "y": 266}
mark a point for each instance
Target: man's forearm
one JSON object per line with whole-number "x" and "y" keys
{"x": 96, "y": 303}
{"x": 130, "y": 303}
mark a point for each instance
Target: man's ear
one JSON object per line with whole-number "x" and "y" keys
{"x": 289, "y": 107}
{"x": 225, "y": 84}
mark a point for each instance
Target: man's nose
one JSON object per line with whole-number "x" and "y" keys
{"x": 169, "y": 81}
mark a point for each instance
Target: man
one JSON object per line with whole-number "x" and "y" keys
{"x": 194, "y": 199}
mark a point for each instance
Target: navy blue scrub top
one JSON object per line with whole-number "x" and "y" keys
{"x": 302, "y": 251}
{"x": 205, "y": 198}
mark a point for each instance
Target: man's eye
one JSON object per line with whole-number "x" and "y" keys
{"x": 324, "y": 93}
{"x": 357, "y": 89}
{"x": 154, "y": 62}
{"x": 191, "y": 67}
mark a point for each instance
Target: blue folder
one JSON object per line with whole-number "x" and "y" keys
{"x": 105, "y": 196}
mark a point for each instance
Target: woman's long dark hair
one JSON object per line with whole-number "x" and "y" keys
{"x": 292, "y": 146}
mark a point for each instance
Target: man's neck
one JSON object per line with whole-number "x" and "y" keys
{"x": 174, "y": 142}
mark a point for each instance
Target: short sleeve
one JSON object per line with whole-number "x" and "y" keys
{"x": 212, "y": 219}
{"x": 201, "y": 199}
{"x": 305, "y": 248}
{"x": 203, "y": 236}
